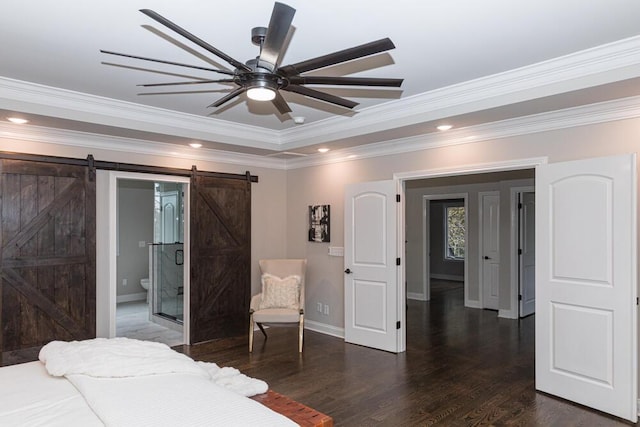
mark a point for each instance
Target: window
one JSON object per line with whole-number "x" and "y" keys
{"x": 455, "y": 228}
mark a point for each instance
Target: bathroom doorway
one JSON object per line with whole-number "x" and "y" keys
{"x": 150, "y": 258}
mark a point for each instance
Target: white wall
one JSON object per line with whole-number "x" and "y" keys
{"x": 135, "y": 219}
{"x": 281, "y": 199}
{"x": 325, "y": 184}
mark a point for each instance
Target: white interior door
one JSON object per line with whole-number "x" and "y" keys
{"x": 371, "y": 272}
{"x": 586, "y": 333}
{"x": 528, "y": 253}
{"x": 490, "y": 243}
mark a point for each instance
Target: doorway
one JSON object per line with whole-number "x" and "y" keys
{"x": 419, "y": 193}
{"x": 441, "y": 260}
{"x": 172, "y": 225}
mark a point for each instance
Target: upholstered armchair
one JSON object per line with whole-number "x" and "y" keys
{"x": 281, "y": 301}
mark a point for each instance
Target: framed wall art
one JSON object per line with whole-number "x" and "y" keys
{"x": 319, "y": 223}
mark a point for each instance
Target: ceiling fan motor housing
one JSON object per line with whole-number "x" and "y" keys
{"x": 260, "y": 76}
{"x": 258, "y": 34}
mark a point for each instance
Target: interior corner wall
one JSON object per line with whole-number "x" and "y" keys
{"x": 325, "y": 184}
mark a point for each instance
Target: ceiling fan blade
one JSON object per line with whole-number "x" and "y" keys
{"x": 279, "y": 25}
{"x": 367, "y": 49}
{"x": 184, "y": 33}
{"x": 347, "y": 81}
{"x": 228, "y": 97}
{"x": 195, "y": 82}
{"x": 230, "y": 73}
{"x": 281, "y": 104}
{"x": 312, "y": 93}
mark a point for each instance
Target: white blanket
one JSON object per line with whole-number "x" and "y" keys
{"x": 135, "y": 383}
{"x": 114, "y": 357}
{"x": 124, "y": 357}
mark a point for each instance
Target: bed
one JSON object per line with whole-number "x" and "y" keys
{"x": 123, "y": 382}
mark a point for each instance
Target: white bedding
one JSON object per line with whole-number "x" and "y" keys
{"x": 30, "y": 397}
{"x": 116, "y": 383}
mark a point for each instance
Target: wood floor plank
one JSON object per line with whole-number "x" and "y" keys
{"x": 463, "y": 367}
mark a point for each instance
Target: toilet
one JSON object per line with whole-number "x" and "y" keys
{"x": 145, "y": 284}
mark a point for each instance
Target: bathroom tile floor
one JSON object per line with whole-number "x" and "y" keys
{"x": 132, "y": 321}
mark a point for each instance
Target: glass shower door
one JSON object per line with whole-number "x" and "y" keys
{"x": 167, "y": 253}
{"x": 168, "y": 260}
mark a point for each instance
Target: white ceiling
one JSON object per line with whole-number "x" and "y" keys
{"x": 463, "y": 61}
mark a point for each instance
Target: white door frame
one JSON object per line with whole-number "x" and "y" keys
{"x": 106, "y": 248}
{"x": 426, "y": 242}
{"x": 513, "y": 313}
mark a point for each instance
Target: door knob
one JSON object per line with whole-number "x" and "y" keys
{"x": 486, "y": 257}
{"x": 348, "y": 271}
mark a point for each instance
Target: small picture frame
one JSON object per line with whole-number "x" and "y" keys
{"x": 319, "y": 223}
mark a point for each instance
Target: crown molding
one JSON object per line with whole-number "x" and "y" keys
{"x": 61, "y": 103}
{"x": 600, "y": 65}
{"x": 621, "y": 109}
{"x": 127, "y": 145}
{"x": 604, "y": 64}
{"x": 616, "y": 61}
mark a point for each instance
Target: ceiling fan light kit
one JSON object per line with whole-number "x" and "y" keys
{"x": 262, "y": 78}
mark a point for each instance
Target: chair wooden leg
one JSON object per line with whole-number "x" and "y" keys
{"x": 301, "y": 337}
{"x": 262, "y": 330}
{"x": 250, "y": 332}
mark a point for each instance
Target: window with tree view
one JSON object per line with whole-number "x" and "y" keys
{"x": 455, "y": 228}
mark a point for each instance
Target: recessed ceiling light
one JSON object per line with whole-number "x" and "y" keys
{"x": 17, "y": 120}
{"x": 444, "y": 127}
{"x": 323, "y": 150}
{"x": 195, "y": 145}
{"x": 298, "y": 120}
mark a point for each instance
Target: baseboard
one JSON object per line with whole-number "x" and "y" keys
{"x": 140, "y": 296}
{"x": 472, "y": 304}
{"x": 451, "y": 277}
{"x": 416, "y": 296}
{"x": 323, "y": 328}
{"x": 508, "y": 314}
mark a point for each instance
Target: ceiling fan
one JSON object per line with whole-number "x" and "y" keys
{"x": 263, "y": 78}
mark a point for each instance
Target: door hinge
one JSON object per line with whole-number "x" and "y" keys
{"x": 519, "y": 251}
{"x": 519, "y": 297}
{"x": 397, "y": 261}
{"x": 637, "y": 301}
{"x": 519, "y": 205}
{"x": 398, "y": 198}
{"x": 398, "y": 324}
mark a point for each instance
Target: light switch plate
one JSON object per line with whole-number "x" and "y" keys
{"x": 336, "y": 251}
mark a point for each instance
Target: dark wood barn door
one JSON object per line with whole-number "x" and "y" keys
{"x": 220, "y": 257}
{"x": 47, "y": 269}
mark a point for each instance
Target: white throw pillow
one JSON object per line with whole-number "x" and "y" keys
{"x": 280, "y": 292}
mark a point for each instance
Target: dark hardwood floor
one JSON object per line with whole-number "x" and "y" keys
{"x": 462, "y": 367}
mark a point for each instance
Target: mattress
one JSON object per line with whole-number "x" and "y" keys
{"x": 121, "y": 382}
{"x": 29, "y": 396}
